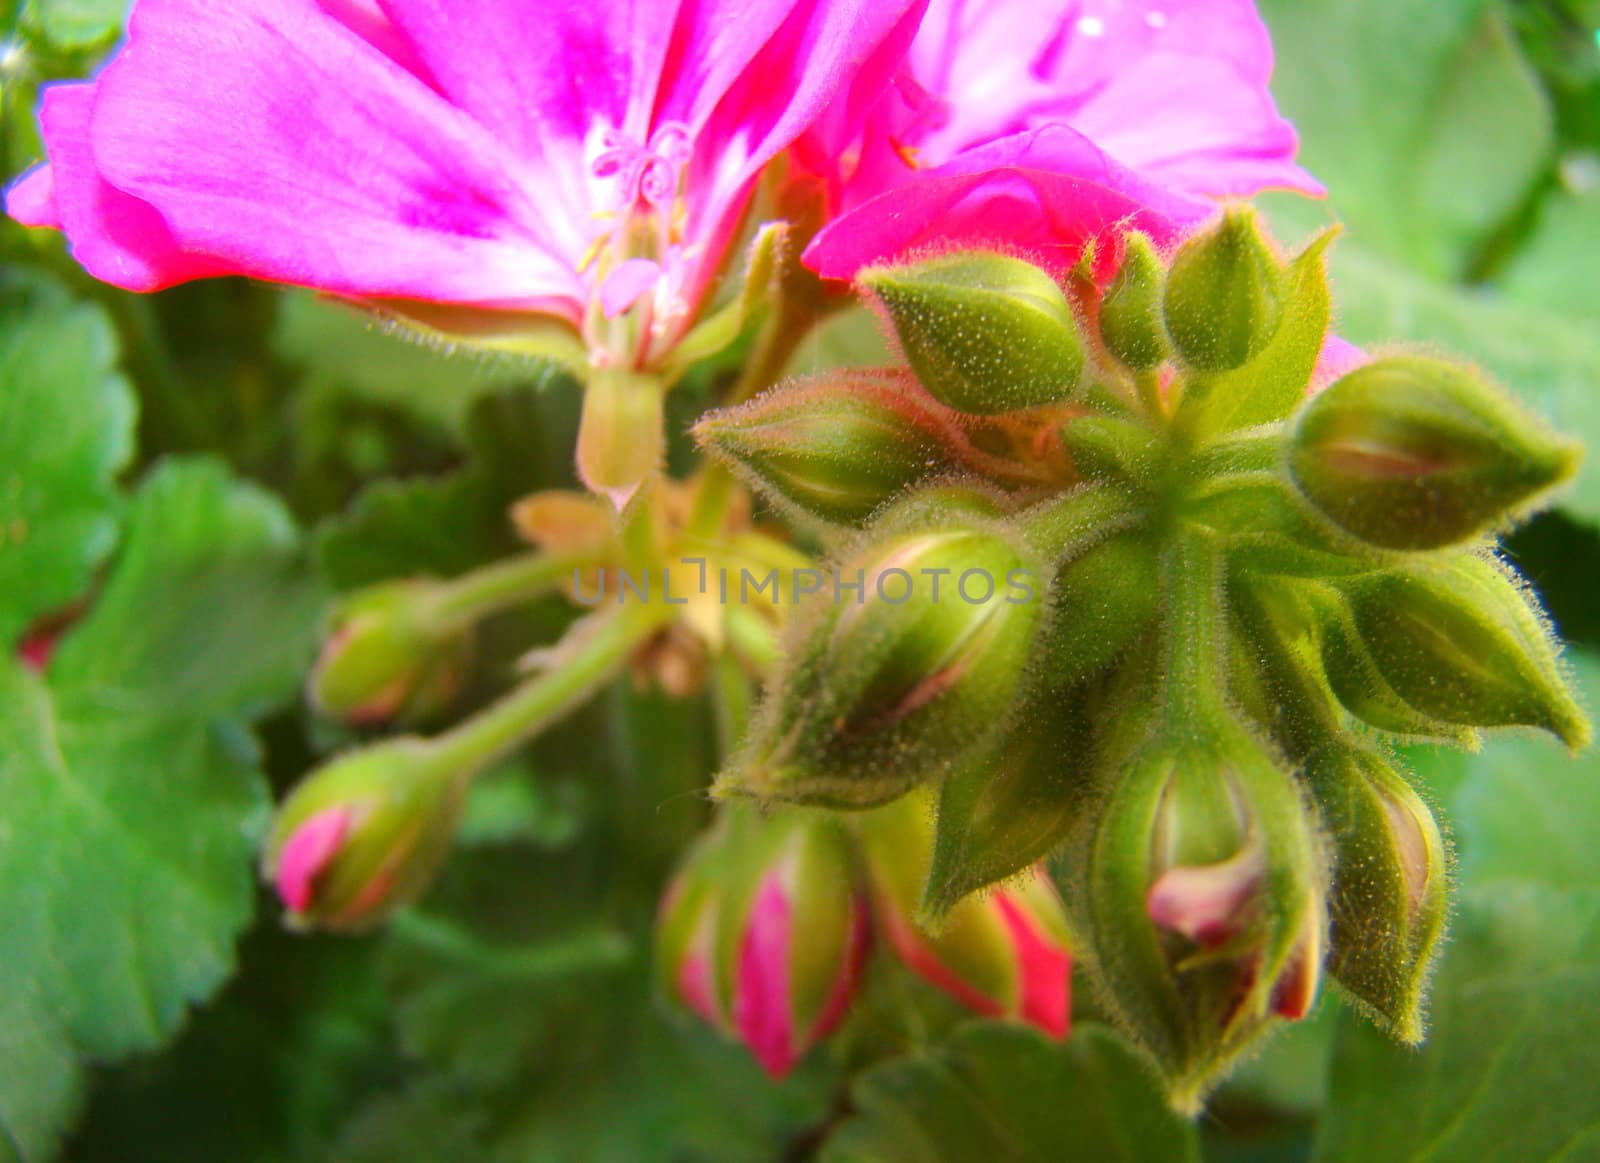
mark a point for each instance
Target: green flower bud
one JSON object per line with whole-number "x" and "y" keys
{"x": 1130, "y": 312}
{"x": 910, "y": 655}
{"x": 1206, "y": 898}
{"x": 1225, "y": 292}
{"x": 620, "y": 435}
{"x": 389, "y": 658}
{"x": 1461, "y": 641}
{"x": 837, "y": 447}
{"x": 984, "y": 333}
{"x": 364, "y": 834}
{"x": 1012, "y": 802}
{"x": 1416, "y": 453}
{"x": 1390, "y": 878}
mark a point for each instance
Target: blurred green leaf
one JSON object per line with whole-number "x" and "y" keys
{"x": 427, "y": 1122}
{"x": 40, "y": 1079}
{"x": 1508, "y": 1072}
{"x": 1556, "y": 269}
{"x": 1422, "y": 119}
{"x": 133, "y": 798}
{"x": 518, "y": 442}
{"x": 77, "y": 24}
{"x": 66, "y": 430}
{"x": 999, "y": 1092}
{"x": 383, "y": 362}
{"x": 1527, "y": 810}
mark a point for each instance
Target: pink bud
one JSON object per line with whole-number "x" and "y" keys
{"x": 307, "y": 852}
{"x": 764, "y": 1002}
{"x": 35, "y": 650}
{"x": 1002, "y": 955}
{"x": 1208, "y": 903}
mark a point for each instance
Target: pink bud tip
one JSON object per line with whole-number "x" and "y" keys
{"x": 307, "y": 852}
{"x": 761, "y": 1001}
{"x": 1044, "y": 969}
{"x": 1207, "y": 903}
{"x": 35, "y": 652}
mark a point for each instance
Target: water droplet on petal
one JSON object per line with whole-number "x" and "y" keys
{"x": 1092, "y": 26}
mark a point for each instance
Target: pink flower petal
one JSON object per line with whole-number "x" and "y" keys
{"x": 1042, "y": 193}
{"x": 761, "y": 1012}
{"x": 1208, "y": 903}
{"x": 31, "y": 199}
{"x": 1338, "y": 358}
{"x": 118, "y": 238}
{"x": 626, "y": 284}
{"x": 307, "y": 852}
{"x": 279, "y": 143}
{"x": 1045, "y": 969}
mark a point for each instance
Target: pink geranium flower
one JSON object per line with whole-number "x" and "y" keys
{"x": 570, "y": 158}
{"x": 1039, "y": 123}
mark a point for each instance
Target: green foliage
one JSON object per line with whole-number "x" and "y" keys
{"x": 1003, "y": 1092}
{"x": 129, "y": 773}
{"x": 58, "y": 500}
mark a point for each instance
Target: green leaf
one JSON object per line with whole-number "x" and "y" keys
{"x": 1423, "y": 120}
{"x": 518, "y": 442}
{"x": 1526, "y": 809}
{"x": 1004, "y": 1092}
{"x": 133, "y": 799}
{"x": 39, "y": 1078}
{"x": 66, "y": 430}
{"x": 78, "y": 24}
{"x": 383, "y": 362}
{"x": 1507, "y": 1074}
{"x": 427, "y": 1122}
{"x": 1555, "y": 269}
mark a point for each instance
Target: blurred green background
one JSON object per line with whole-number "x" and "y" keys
{"x": 228, "y": 453}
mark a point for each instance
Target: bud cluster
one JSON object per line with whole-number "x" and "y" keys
{"x": 1245, "y": 591}
{"x": 767, "y": 929}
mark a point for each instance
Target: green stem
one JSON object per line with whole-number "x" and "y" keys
{"x": 472, "y": 596}
{"x": 1150, "y": 397}
{"x": 1063, "y": 528}
{"x": 587, "y": 665}
{"x": 1194, "y": 637}
{"x": 711, "y": 503}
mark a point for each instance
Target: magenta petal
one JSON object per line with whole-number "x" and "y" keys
{"x": 1042, "y": 193}
{"x": 306, "y": 853}
{"x": 1044, "y": 970}
{"x": 31, "y": 199}
{"x": 1338, "y": 358}
{"x": 624, "y": 286}
{"x": 761, "y": 1012}
{"x": 279, "y": 143}
{"x": 116, "y": 237}
{"x": 1207, "y": 903}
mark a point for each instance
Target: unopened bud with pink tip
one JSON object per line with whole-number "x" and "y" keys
{"x": 1206, "y": 896}
{"x": 390, "y": 658}
{"x": 765, "y": 933}
{"x": 1002, "y": 953}
{"x": 363, "y": 835}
